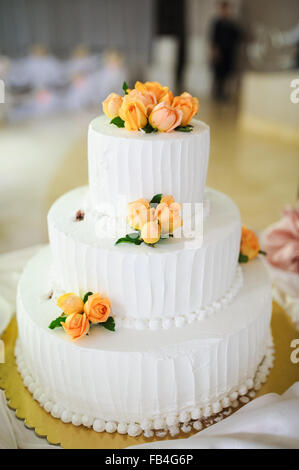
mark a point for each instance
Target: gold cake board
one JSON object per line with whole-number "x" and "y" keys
{"x": 282, "y": 376}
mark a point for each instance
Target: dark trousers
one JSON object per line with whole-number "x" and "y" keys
{"x": 222, "y": 71}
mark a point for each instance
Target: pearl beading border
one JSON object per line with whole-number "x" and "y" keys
{"x": 197, "y": 417}
{"x": 178, "y": 321}
{"x": 182, "y": 320}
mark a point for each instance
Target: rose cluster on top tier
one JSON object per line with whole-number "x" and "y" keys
{"x": 151, "y": 106}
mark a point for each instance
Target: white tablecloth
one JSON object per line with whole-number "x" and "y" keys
{"x": 13, "y": 433}
{"x": 271, "y": 421}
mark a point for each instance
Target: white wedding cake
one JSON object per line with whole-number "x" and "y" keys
{"x": 192, "y": 325}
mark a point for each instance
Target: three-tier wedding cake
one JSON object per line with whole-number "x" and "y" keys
{"x": 192, "y": 325}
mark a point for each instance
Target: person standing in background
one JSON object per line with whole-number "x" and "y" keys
{"x": 225, "y": 37}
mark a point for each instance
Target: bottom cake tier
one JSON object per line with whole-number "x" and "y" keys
{"x": 140, "y": 381}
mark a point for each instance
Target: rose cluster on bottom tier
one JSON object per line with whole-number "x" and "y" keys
{"x": 79, "y": 313}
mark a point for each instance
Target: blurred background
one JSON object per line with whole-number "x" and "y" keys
{"x": 60, "y": 58}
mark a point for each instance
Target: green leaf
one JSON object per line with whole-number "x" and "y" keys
{"x": 261, "y": 252}
{"x": 123, "y": 240}
{"x": 128, "y": 239}
{"x": 109, "y": 324}
{"x": 187, "y": 128}
{"x": 148, "y": 129}
{"x": 118, "y": 121}
{"x": 156, "y": 199}
{"x": 125, "y": 88}
{"x": 85, "y": 298}
{"x": 243, "y": 258}
{"x": 57, "y": 322}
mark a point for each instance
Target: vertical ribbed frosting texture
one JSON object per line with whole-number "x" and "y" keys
{"x": 128, "y": 376}
{"x": 176, "y": 278}
{"x": 125, "y": 166}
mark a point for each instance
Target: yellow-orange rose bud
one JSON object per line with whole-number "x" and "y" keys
{"x": 133, "y": 112}
{"x": 188, "y": 105}
{"x": 153, "y": 87}
{"x": 169, "y": 216}
{"x": 147, "y": 97}
{"x": 76, "y": 325}
{"x": 166, "y": 97}
{"x": 70, "y": 303}
{"x": 165, "y": 118}
{"x": 167, "y": 200}
{"x": 249, "y": 243}
{"x": 97, "y": 308}
{"x": 138, "y": 213}
{"x": 151, "y": 232}
{"x": 112, "y": 104}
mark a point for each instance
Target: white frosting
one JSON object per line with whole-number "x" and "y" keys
{"x": 156, "y": 380}
{"x": 127, "y": 165}
{"x": 162, "y": 286}
{"x": 130, "y": 382}
{"x": 181, "y": 320}
{"x": 159, "y": 426}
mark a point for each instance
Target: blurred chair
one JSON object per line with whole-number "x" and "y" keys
{"x": 38, "y": 69}
{"x": 87, "y": 80}
{"x": 197, "y": 76}
{"x": 164, "y": 61}
{"x": 82, "y": 61}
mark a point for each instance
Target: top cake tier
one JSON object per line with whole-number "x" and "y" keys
{"x": 125, "y": 166}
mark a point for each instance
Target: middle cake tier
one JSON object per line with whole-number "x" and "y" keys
{"x": 177, "y": 281}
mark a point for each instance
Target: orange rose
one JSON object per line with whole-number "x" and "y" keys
{"x": 188, "y": 105}
{"x": 76, "y": 325}
{"x": 97, "y": 308}
{"x": 70, "y": 303}
{"x": 167, "y": 97}
{"x": 151, "y": 232}
{"x": 249, "y": 243}
{"x": 148, "y": 99}
{"x": 167, "y": 200}
{"x": 168, "y": 215}
{"x": 112, "y": 104}
{"x": 138, "y": 213}
{"x": 133, "y": 112}
{"x": 165, "y": 118}
{"x": 152, "y": 87}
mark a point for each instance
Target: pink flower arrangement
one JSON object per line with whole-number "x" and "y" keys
{"x": 282, "y": 241}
